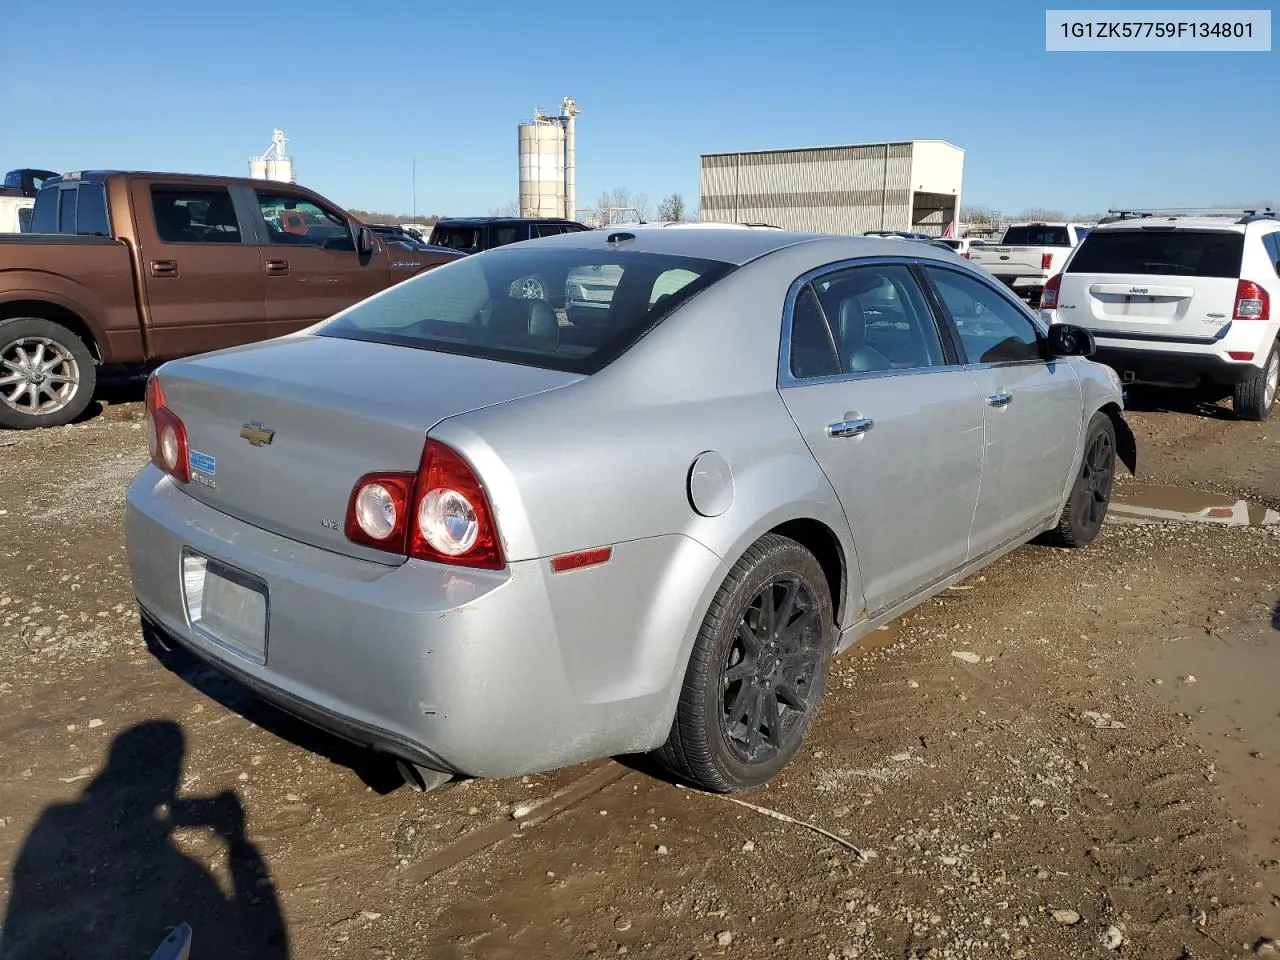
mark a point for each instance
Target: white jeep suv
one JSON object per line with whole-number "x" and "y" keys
{"x": 1181, "y": 300}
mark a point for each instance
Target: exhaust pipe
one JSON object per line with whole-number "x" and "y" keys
{"x": 422, "y": 779}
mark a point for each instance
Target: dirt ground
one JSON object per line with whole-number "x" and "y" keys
{"x": 1098, "y": 775}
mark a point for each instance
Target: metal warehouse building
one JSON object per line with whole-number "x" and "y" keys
{"x": 912, "y": 185}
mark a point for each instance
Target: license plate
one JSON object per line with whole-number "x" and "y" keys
{"x": 226, "y": 605}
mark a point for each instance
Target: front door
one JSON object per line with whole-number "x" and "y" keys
{"x": 200, "y": 269}
{"x": 310, "y": 263}
{"x": 1032, "y": 406}
{"x": 892, "y": 418}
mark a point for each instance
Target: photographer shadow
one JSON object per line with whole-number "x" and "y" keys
{"x": 103, "y": 876}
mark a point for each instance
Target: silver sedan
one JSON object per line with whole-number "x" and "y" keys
{"x": 490, "y": 534}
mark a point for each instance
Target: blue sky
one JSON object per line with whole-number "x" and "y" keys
{"x": 362, "y": 89}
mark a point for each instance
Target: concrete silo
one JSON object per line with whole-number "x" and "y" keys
{"x": 546, "y": 148}
{"x": 274, "y": 164}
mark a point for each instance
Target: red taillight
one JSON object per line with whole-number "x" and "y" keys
{"x": 965, "y": 255}
{"x": 1046, "y": 261}
{"x": 378, "y": 512}
{"x": 1252, "y": 302}
{"x": 166, "y": 435}
{"x": 441, "y": 513}
{"x": 1049, "y": 295}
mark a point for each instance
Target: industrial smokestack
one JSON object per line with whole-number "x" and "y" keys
{"x": 568, "y": 111}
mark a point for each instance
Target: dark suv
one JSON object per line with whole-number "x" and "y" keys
{"x": 473, "y": 234}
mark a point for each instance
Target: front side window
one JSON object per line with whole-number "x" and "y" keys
{"x": 194, "y": 215}
{"x": 992, "y": 329}
{"x": 504, "y": 235}
{"x": 585, "y": 308}
{"x": 296, "y": 221}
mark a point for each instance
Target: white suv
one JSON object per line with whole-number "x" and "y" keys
{"x": 1180, "y": 300}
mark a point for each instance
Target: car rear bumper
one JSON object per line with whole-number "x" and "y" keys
{"x": 1185, "y": 368}
{"x": 485, "y": 673}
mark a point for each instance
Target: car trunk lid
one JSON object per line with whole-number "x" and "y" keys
{"x": 279, "y": 433}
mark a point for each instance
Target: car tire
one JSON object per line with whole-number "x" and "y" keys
{"x": 753, "y": 684}
{"x": 61, "y": 354}
{"x": 1256, "y": 397}
{"x": 1090, "y": 496}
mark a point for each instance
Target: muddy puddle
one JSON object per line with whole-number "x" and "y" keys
{"x": 1143, "y": 501}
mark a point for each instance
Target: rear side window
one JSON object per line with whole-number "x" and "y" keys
{"x": 1036, "y": 236}
{"x": 91, "y": 219}
{"x": 586, "y": 308}
{"x": 547, "y": 229}
{"x": 1169, "y": 253}
{"x": 504, "y": 235}
{"x": 24, "y": 219}
{"x": 194, "y": 215}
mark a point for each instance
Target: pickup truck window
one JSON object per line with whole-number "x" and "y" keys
{"x": 67, "y": 203}
{"x": 44, "y": 216}
{"x": 297, "y": 221}
{"x": 1036, "y": 237}
{"x": 91, "y": 218}
{"x": 194, "y": 215}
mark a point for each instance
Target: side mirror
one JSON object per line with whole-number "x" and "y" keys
{"x": 1068, "y": 340}
{"x": 364, "y": 241}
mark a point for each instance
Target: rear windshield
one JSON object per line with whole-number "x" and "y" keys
{"x": 1171, "y": 253}
{"x": 571, "y": 310}
{"x": 1034, "y": 236}
{"x": 954, "y": 244}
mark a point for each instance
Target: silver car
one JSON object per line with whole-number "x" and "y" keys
{"x": 490, "y": 535}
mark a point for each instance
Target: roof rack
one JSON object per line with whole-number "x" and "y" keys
{"x": 1244, "y": 216}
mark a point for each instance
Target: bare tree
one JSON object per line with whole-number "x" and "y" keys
{"x": 641, "y": 202}
{"x": 1087, "y": 217}
{"x": 1041, "y": 213}
{"x": 978, "y": 215}
{"x": 672, "y": 208}
{"x": 619, "y": 202}
{"x": 509, "y": 209}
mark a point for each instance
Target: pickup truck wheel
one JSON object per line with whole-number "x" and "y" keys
{"x": 47, "y": 376}
{"x": 1256, "y": 397}
{"x": 757, "y": 672}
{"x": 1090, "y": 495}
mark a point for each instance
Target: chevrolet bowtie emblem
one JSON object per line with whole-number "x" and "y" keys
{"x": 257, "y": 434}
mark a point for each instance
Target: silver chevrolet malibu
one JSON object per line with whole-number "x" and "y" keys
{"x": 610, "y": 492}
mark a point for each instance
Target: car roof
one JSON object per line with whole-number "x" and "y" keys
{"x": 729, "y": 245}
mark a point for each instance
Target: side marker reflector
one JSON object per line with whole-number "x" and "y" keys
{"x": 583, "y": 558}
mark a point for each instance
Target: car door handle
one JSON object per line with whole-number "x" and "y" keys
{"x": 163, "y": 268}
{"x": 999, "y": 399}
{"x": 277, "y": 268}
{"x": 850, "y": 428}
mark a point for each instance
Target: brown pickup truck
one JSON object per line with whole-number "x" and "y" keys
{"x": 124, "y": 269}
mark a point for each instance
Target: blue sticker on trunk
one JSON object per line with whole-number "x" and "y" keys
{"x": 203, "y": 463}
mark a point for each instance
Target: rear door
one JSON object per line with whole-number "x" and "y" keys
{"x": 1153, "y": 282}
{"x": 309, "y": 260}
{"x": 200, "y": 268}
{"x": 891, "y": 417}
{"x": 1031, "y": 406}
